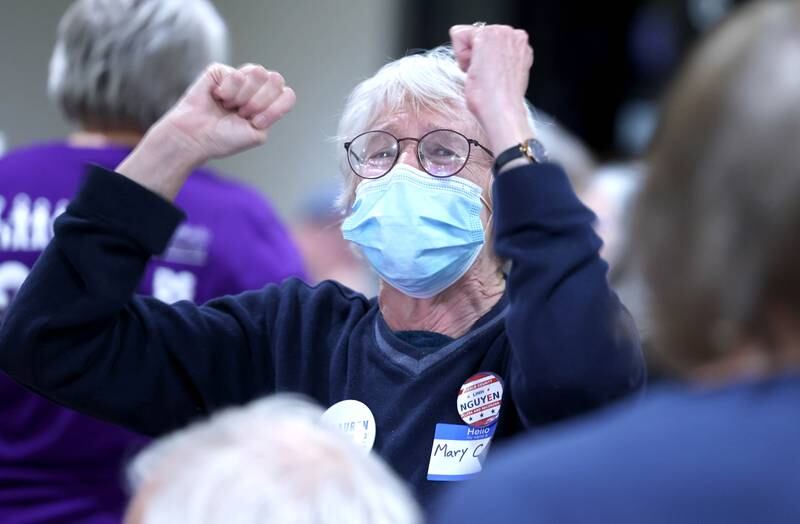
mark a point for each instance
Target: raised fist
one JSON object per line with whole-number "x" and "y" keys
{"x": 229, "y": 110}
{"x": 497, "y": 60}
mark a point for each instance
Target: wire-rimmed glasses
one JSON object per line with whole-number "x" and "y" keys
{"x": 441, "y": 153}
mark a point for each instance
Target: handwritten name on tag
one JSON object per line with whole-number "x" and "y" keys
{"x": 458, "y": 452}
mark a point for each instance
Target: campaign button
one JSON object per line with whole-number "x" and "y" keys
{"x": 355, "y": 420}
{"x": 480, "y": 398}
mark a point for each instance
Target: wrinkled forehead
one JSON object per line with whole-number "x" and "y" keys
{"x": 415, "y": 122}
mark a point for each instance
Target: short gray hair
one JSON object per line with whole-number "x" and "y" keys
{"x": 121, "y": 64}
{"x": 430, "y": 81}
{"x": 274, "y": 460}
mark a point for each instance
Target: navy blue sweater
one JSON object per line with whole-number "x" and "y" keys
{"x": 77, "y": 334}
{"x": 682, "y": 455}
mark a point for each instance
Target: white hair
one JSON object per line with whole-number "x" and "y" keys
{"x": 273, "y": 460}
{"x": 121, "y": 64}
{"x": 429, "y": 81}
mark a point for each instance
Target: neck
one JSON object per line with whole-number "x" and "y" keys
{"x": 753, "y": 358}
{"x": 451, "y": 312}
{"x": 97, "y": 138}
{"x": 740, "y": 365}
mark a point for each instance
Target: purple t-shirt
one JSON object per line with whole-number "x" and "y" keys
{"x": 59, "y": 466}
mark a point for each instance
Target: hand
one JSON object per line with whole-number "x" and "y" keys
{"x": 497, "y": 60}
{"x": 229, "y": 110}
{"x": 226, "y": 111}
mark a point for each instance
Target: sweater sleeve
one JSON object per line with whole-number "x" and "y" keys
{"x": 77, "y": 334}
{"x": 573, "y": 344}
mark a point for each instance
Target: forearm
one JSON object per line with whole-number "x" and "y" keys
{"x": 572, "y": 341}
{"x": 65, "y": 332}
{"x": 161, "y": 162}
{"x": 507, "y": 125}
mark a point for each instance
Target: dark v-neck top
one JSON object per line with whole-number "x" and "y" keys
{"x": 560, "y": 339}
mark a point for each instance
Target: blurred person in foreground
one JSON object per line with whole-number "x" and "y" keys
{"x": 433, "y": 210}
{"x": 717, "y": 227}
{"x": 117, "y": 66}
{"x": 271, "y": 461}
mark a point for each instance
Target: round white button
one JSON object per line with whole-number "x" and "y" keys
{"x": 354, "y": 419}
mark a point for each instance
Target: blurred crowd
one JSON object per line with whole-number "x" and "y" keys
{"x": 691, "y": 263}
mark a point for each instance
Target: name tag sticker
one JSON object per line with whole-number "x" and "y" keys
{"x": 458, "y": 452}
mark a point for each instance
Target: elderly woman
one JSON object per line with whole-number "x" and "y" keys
{"x": 117, "y": 67}
{"x": 422, "y": 372}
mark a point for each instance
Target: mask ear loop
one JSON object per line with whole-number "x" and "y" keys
{"x": 491, "y": 211}
{"x": 506, "y": 265}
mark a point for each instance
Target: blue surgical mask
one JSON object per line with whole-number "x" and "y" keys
{"x": 419, "y": 233}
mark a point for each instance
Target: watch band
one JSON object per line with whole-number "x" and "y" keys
{"x": 512, "y": 153}
{"x": 530, "y": 149}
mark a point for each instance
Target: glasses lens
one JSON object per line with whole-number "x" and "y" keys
{"x": 372, "y": 154}
{"x": 443, "y": 152}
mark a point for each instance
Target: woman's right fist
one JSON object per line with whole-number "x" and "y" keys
{"x": 497, "y": 60}
{"x": 228, "y": 110}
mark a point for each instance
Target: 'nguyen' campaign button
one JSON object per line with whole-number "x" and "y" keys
{"x": 354, "y": 419}
{"x": 479, "y": 399}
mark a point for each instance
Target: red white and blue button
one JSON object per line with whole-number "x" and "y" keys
{"x": 480, "y": 398}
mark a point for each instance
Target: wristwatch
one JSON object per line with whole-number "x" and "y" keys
{"x": 531, "y": 149}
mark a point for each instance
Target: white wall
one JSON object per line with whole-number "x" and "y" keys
{"x": 27, "y": 32}
{"x": 322, "y": 47}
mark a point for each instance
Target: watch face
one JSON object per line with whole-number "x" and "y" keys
{"x": 537, "y": 150}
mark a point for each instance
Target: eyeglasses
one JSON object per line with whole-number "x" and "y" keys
{"x": 441, "y": 153}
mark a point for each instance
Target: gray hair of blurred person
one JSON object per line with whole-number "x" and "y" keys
{"x": 121, "y": 64}
{"x": 273, "y": 460}
{"x": 718, "y": 221}
{"x": 428, "y": 81}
